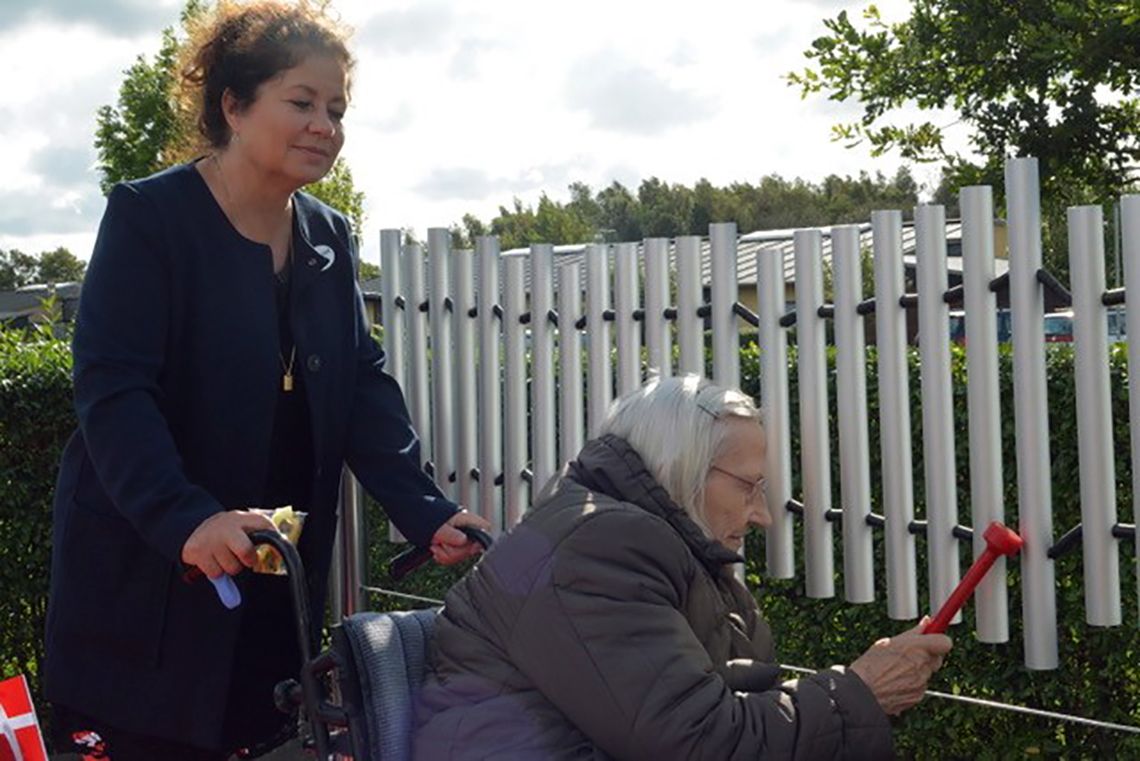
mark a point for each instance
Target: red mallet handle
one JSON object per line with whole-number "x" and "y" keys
{"x": 999, "y": 541}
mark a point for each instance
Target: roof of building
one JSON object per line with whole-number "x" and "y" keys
{"x": 748, "y": 247}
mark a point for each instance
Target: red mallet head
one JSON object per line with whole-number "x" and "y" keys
{"x": 999, "y": 541}
{"x": 1002, "y": 539}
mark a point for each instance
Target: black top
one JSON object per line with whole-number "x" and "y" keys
{"x": 291, "y": 444}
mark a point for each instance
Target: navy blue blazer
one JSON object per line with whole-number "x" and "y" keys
{"x": 176, "y": 375}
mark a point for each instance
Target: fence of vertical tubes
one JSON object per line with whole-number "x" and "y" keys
{"x": 509, "y": 359}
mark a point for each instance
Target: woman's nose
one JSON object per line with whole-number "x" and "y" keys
{"x": 323, "y": 125}
{"x": 760, "y": 516}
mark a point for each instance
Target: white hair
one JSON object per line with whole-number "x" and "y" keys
{"x": 677, "y": 426}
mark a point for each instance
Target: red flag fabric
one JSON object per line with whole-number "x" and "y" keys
{"x": 20, "y": 736}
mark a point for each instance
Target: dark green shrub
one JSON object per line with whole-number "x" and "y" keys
{"x": 37, "y": 417}
{"x": 1098, "y": 677}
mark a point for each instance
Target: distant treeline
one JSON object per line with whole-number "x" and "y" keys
{"x": 660, "y": 209}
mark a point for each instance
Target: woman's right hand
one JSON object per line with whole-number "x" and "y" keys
{"x": 897, "y": 669}
{"x": 221, "y": 544}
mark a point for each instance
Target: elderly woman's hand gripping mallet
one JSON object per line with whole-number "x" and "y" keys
{"x": 1000, "y": 540}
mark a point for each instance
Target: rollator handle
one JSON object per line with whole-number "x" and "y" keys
{"x": 411, "y": 559}
{"x": 1000, "y": 541}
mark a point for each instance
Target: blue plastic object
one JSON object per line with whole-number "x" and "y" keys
{"x": 227, "y": 590}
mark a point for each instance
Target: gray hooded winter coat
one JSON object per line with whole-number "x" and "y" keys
{"x": 606, "y": 625}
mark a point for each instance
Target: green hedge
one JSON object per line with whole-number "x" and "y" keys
{"x": 1098, "y": 675}
{"x": 35, "y": 396}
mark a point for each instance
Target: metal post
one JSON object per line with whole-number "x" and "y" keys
{"x": 490, "y": 383}
{"x": 543, "y": 410}
{"x": 983, "y": 404}
{"x": 464, "y": 379}
{"x": 419, "y": 404}
{"x": 726, "y": 335}
{"x": 779, "y": 548}
{"x": 690, "y": 326}
{"x": 894, "y": 415}
{"x": 1130, "y": 250}
{"x": 514, "y": 398}
{"x": 353, "y": 547}
{"x": 937, "y": 405}
{"x": 598, "y": 334}
{"x": 394, "y": 319}
{"x": 571, "y": 421}
{"x": 628, "y": 331}
{"x": 443, "y": 449}
{"x": 854, "y": 463}
{"x": 815, "y": 441}
{"x": 1094, "y": 417}
{"x": 658, "y": 336}
{"x": 1031, "y": 414}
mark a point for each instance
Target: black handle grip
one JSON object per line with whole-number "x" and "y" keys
{"x": 411, "y": 559}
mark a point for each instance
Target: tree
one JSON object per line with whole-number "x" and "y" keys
{"x": 142, "y": 133}
{"x": 16, "y": 269}
{"x": 1053, "y": 79}
{"x": 150, "y": 128}
{"x": 368, "y": 271}
{"x": 666, "y": 210}
{"x": 338, "y": 191}
{"x": 661, "y": 209}
{"x": 60, "y": 266}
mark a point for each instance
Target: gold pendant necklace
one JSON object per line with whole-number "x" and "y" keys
{"x": 287, "y": 377}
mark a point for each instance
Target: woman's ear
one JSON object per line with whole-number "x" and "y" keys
{"x": 232, "y": 110}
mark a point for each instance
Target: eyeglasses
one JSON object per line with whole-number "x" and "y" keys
{"x": 755, "y": 488}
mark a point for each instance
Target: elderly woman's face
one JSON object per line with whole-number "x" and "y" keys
{"x": 734, "y": 487}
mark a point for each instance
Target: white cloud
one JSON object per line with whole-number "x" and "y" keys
{"x": 458, "y": 107}
{"x": 628, "y": 97}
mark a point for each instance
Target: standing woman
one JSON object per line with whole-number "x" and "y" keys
{"x": 222, "y": 362}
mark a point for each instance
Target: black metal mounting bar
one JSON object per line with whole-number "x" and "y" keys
{"x": 1045, "y": 277}
{"x": 1113, "y": 297}
{"x": 788, "y": 320}
{"x": 749, "y": 316}
{"x": 1068, "y": 541}
{"x": 865, "y": 307}
{"x": 826, "y": 311}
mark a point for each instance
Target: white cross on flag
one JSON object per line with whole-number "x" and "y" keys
{"x": 20, "y": 737}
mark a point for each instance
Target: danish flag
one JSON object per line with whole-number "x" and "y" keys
{"x": 20, "y": 737}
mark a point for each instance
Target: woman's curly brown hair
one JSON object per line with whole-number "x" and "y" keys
{"x": 238, "y": 46}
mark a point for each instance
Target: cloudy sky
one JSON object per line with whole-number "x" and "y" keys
{"x": 459, "y": 106}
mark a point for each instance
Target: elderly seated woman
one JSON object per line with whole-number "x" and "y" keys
{"x": 609, "y": 622}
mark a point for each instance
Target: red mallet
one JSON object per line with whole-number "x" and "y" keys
{"x": 1000, "y": 540}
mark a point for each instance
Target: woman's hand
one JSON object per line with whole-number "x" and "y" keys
{"x": 449, "y": 545}
{"x": 221, "y": 545}
{"x": 897, "y": 669}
